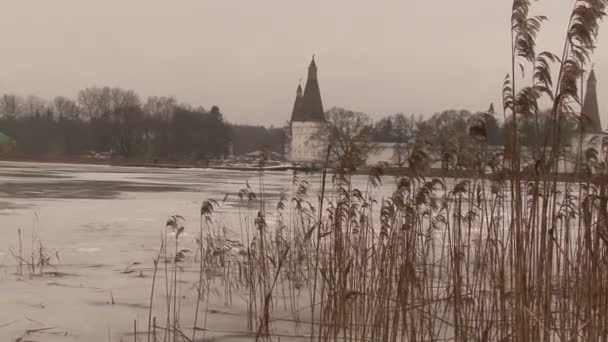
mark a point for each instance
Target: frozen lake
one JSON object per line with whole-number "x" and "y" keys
{"x": 83, "y": 211}
{"x": 101, "y": 227}
{"x": 95, "y": 222}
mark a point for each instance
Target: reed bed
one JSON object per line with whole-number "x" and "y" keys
{"x": 514, "y": 256}
{"x": 437, "y": 259}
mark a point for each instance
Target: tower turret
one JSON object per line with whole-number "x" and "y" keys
{"x": 591, "y": 122}
{"x": 309, "y": 135}
{"x": 297, "y": 105}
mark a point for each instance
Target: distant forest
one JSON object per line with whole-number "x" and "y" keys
{"x": 116, "y": 122}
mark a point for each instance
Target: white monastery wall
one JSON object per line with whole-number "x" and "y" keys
{"x": 382, "y": 152}
{"x": 308, "y": 142}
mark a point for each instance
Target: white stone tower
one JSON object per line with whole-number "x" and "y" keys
{"x": 309, "y": 128}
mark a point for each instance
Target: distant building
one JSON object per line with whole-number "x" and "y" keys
{"x": 258, "y": 155}
{"x": 308, "y": 136}
{"x": 7, "y": 144}
{"x": 592, "y": 124}
{"x": 308, "y": 132}
{"x": 593, "y": 135}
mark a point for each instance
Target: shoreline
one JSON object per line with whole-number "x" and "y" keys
{"x": 365, "y": 170}
{"x": 160, "y": 165}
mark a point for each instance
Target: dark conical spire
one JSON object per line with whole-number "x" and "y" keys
{"x": 591, "y": 122}
{"x": 312, "y": 69}
{"x": 592, "y": 78}
{"x": 297, "y": 105}
{"x": 491, "y": 109}
{"x": 312, "y": 106}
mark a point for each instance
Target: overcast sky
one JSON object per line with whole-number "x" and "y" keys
{"x": 246, "y": 56}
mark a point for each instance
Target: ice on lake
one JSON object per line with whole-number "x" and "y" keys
{"x": 96, "y": 221}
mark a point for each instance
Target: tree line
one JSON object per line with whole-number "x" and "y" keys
{"x": 451, "y": 135}
{"x": 116, "y": 123}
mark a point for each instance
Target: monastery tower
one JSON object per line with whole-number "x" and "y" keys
{"x": 308, "y": 124}
{"x": 593, "y": 135}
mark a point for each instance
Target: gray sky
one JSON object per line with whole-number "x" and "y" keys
{"x": 246, "y": 56}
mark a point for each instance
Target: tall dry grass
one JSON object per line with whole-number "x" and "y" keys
{"x": 515, "y": 256}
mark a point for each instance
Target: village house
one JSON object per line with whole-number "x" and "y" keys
{"x": 7, "y": 144}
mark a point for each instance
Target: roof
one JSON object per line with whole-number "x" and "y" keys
{"x": 591, "y": 114}
{"x": 297, "y": 105}
{"x": 5, "y": 139}
{"x": 312, "y": 106}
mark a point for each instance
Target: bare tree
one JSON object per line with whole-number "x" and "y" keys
{"x": 10, "y": 105}
{"x": 350, "y": 137}
{"x": 163, "y": 107}
{"x": 95, "y": 102}
{"x": 65, "y": 107}
{"x": 34, "y": 105}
